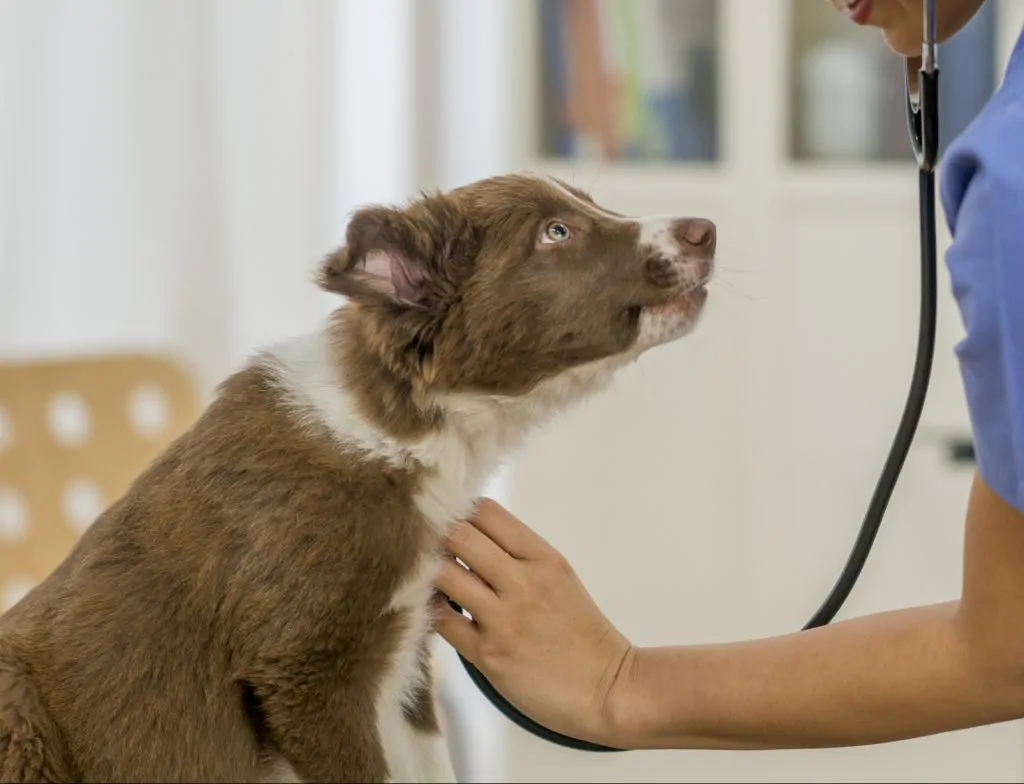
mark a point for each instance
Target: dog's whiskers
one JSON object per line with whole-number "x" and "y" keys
{"x": 726, "y": 267}
{"x": 725, "y": 286}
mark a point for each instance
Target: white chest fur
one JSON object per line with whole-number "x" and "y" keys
{"x": 412, "y": 754}
{"x": 479, "y": 432}
{"x": 314, "y": 387}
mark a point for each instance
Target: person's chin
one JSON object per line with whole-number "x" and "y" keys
{"x": 902, "y": 42}
{"x": 905, "y": 39}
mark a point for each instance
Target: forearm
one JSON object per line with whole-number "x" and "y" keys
{"x": 869, "y": 680}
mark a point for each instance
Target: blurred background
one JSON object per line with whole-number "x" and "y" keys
{"x": 172, "y": 170}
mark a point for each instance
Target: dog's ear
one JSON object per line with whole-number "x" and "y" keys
{"x": 386, "y": 260}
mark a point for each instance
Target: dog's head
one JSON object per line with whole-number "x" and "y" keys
{"x": 497, "y": 286}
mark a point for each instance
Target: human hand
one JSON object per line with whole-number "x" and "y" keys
{"x": 536, "y": 634}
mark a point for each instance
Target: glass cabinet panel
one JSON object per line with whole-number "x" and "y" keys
{"x": 847, "y": 87}
{"x": 629, "y": 79}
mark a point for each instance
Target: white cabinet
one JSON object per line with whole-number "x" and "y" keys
{"x": 714, "y": 492}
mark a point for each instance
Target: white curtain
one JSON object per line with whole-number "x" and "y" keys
{"x": 164, "y": 182}
{"x": 171, "y": 171}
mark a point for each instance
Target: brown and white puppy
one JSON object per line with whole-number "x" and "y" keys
{"x": 256, "y": 606}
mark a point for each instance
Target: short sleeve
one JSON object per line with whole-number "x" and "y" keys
{"x": 986, "y": 265}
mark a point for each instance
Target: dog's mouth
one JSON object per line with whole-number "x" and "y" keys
{"x": 687, "y": 301}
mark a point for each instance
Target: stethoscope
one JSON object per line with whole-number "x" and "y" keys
{"x": 923, "y": 118}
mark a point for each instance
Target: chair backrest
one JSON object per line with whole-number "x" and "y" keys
{"x": 73, "y": 436}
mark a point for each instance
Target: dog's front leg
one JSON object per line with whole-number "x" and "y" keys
{"x": 322, "y": 724}
{"x": 415, "y": 745}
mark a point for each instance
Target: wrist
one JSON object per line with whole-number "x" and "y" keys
{"x": 628, "y": 708}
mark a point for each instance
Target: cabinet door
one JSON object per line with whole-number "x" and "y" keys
{"x": 714, "y": 492}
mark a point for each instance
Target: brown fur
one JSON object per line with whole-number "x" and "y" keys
{"x": 573, "y": 303}
{"x": 422, "y": 712}
{"x": 233, "y": 605}
{"x": 166, "y": 598}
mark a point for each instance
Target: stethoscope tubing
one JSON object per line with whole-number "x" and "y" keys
{"x": 923, "y": 121}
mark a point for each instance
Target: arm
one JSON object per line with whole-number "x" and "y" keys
{"x": 916, "y": 671}
{"x": 879, "y": 678}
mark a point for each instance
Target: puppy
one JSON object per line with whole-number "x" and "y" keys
{"x": 256, "y": 606}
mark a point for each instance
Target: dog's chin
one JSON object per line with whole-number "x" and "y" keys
{"x": 690, "y": 303}
{"x": 671, "y": 320}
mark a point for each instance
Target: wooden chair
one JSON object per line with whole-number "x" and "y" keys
{"x": 73, "y": 436}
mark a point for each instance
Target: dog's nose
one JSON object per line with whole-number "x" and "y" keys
{"x": 695, "y": 233}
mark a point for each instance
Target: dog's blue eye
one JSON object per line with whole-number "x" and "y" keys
{"x": 556, "y": 232}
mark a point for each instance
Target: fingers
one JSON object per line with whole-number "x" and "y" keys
{"x": 456, "y": 629}
{"x": 463, "y": 587}
{"x": 480, "y": 553}
{"x": 509, "y": 532}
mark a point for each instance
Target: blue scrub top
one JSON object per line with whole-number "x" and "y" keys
{"x": 982, "y": 191}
